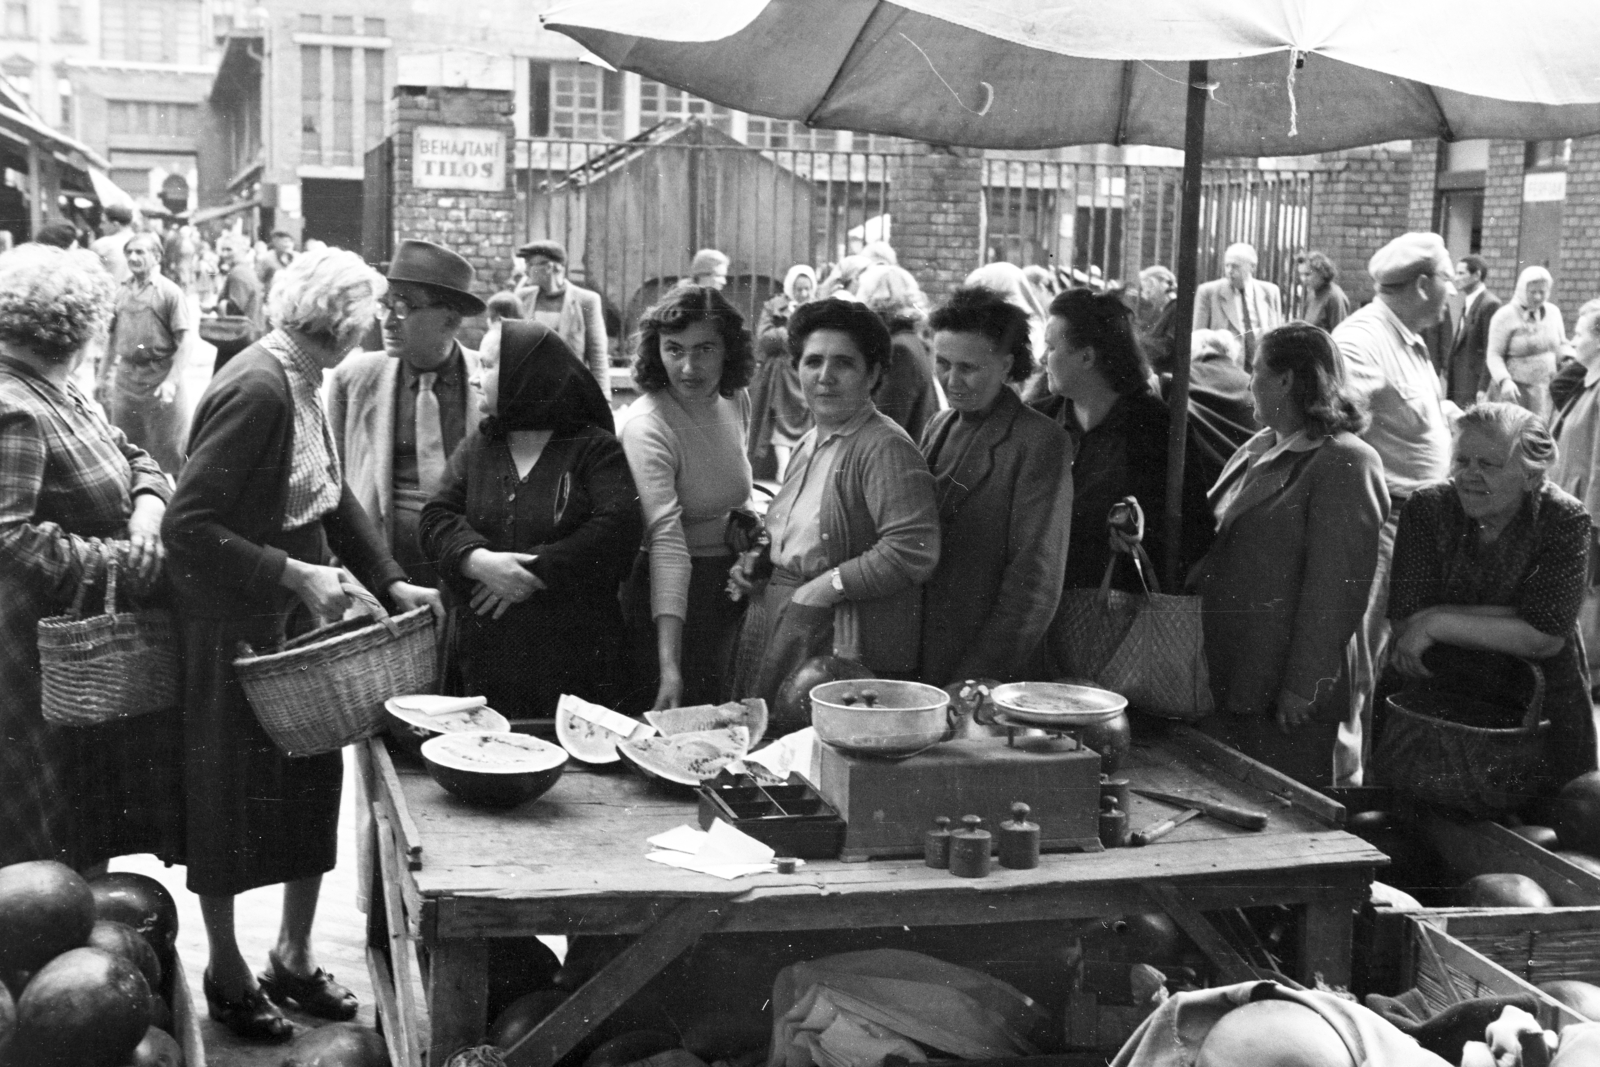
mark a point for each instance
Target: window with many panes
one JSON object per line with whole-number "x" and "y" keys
{"x": 574, "y": 100}
{"x": 658, "y": 103}
{"x": 150, "y": 118}
{"x": 783, "y": 133}
{"x": 151, "y": 31}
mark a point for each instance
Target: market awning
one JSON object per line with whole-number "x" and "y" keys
{"x": 108, "y": 191}
{"x": 222, "y": 211}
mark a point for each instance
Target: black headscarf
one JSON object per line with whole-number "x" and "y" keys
{"x": 543, "y": 386}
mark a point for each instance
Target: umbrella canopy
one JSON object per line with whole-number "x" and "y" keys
{"x": 1290, "y": 76}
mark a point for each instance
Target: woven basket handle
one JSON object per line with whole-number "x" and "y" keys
{"x": 370, "y": 604}
{"x": 90, "y": 572}
{"x": 1535, "y": 712}
{"x": 111, "y": 581}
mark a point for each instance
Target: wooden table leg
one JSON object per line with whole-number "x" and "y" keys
{"x": 560, "y": 1031}
{"x": 1327, "y": 932}
{"x": 458, "y": 997}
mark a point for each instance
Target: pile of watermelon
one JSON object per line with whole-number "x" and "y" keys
{"x": 85, "y": 969}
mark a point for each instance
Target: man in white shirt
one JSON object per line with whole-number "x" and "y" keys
{"x": 1238, "y": 303}
{"x": 1387, "y": 367}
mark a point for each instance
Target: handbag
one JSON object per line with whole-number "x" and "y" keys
{"x": 110, "y": 666}
{"x": 1148, "y": 647}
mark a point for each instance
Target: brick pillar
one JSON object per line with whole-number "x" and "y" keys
{"x": 445, "y": 178}
{"x": 1424, "y": 185}
{"x": 1502, "y": 213}
{"x": 1579, "y": 276}
{"x": 1362, "y": 202}
{"x": 935, "y": 197}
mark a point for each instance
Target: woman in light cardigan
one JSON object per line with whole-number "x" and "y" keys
{"x": 855, "y": 528}
{"x": 1525, "y": 338}
{"x": 686, "y": 447}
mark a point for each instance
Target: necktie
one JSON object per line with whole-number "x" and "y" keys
{"x": 1249, "y": 329}
{"x": 430, "y": 436}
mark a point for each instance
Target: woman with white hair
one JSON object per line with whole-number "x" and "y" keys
{"x": 1008, "y": 280}
{"x": 75, "y": 490}
{"x": 906, "y": 392}
{"x": 1525, "y": 338}
{"x": 1494, "y": 561}
{"x": 258, "y": 513}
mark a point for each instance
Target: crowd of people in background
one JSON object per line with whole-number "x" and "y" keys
{"x": 857, "y": 469}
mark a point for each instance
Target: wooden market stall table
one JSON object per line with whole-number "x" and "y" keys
{"x": 451, "y": 876}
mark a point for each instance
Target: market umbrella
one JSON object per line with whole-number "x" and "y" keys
{"x": 1214, "y": 77}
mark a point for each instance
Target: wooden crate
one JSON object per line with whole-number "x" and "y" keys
{"x": 1454, "y": 954}
{"x": 1483, "y": 847}
{"x": 185, "y": 1023}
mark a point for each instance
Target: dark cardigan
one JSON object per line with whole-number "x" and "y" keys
{"x": 220, "y": 527}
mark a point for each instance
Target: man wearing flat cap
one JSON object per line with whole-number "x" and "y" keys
{"x": 1388, "y": 368}
{"x": 397, "y": 414}
{"x": 572, "y": 311}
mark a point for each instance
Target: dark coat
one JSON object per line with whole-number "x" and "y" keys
{"x": 906, "y": 392}
{"x": 1287, "y": 581}
{"x": 1004, "y": 517}
{"x": 255, "y": 816}
{"x": 1465, "y": 369}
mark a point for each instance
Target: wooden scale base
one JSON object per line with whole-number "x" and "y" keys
{"x": 889, "y": 805}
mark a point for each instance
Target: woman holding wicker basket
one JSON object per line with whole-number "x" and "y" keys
{"x": 74, "y": 493}
{"x": 259, "y": 509}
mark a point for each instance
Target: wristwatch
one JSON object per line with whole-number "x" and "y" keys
{"x": 837, "y": 581}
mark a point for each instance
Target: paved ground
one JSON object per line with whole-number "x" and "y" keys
{"x": 340, "y": 938}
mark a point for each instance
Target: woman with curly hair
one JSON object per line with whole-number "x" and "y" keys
{"x": 534, "y": 529}
{"x": 1298, "y": 509}
{"x": 72, "y": 489}
{"x": 259, "y": 514}
{"x": 686, "y": 447}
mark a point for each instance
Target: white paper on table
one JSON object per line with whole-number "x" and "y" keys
{"x": 794, "y": 752}
{"x": 605, "y": 718}
{"x": 724, "y": 851}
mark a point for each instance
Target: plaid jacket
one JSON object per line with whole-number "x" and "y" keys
{"x": 66, "y": 475}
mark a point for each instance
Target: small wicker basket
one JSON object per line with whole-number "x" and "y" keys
{"x": 325, "y": 689}
{"x": 107, "y": 667}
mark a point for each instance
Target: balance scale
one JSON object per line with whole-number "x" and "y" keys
{"x": 889, "y": 805}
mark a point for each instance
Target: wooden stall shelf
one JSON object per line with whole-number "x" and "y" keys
{"x": 573, "y": 862}
{"x": 1485, "y": 847}
{"x": 1455, "y": 954}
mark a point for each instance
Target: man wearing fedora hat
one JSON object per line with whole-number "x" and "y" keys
{"x": 397, "y": 414}
{"x": 572, "y": 311}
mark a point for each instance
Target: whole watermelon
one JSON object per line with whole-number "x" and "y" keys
{"x": 157, "y": 1049}
{"x": 85, "y": 1008}
{"x": 45, "y": 909}
{"x": 1577, "y": 814}
{"x": 144, "y": 904}
{"x": 337, "y": 1045}
{"x": 120, "y": 939}
{"x": 792, "y": 710}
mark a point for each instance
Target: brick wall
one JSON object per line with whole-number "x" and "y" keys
{"x": 1363, "y": 201}
{"x": 479, "y": 226}
{"x": 936, "y": 199}
{"x": 1424, "y": 186}
{"x": 1502, "y": 213}
{"x": 1578, "y": 279}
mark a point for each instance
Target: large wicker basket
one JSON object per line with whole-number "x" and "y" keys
{"x": 107, "y": 667}
{"x": 1477, "y": 769}
{"x": 325, "y": 689}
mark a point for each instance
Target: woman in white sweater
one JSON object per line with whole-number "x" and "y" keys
{"x": 686, "y": 446}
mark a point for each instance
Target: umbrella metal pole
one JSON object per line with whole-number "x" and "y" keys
{"x": 1188, "y": 271}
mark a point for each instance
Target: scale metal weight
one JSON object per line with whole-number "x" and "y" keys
{"x": 889, "y": 805}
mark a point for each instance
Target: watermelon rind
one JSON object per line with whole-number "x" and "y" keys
{"x": 751, "y": 714}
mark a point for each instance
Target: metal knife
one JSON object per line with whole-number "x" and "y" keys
{"x": 1241, "y": 817}
{"x": 1162, "y": 828}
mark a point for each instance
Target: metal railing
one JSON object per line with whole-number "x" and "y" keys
{"x": 632, "y": 214}
{"x": 1109, "y": 221}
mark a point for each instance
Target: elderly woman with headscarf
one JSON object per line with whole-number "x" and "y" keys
{"x": 1525, "y": 338}
{"x": 534, "y": 528}
{"x": 906, "y": 392}
{"x": 73, "y": 489}
{"x": 1495, "y": 560}
{"x": 259, "y": 512}
{"x": 799, "y": 286}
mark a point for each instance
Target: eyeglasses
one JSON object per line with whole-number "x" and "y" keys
{"x": 399, "y": 308}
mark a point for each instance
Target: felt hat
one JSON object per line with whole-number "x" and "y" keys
{"x": 1408, "y": 257}
{"x": 425, "y": 263}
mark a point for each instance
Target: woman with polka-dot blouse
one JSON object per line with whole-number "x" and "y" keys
{"x": 1494, "y": 560}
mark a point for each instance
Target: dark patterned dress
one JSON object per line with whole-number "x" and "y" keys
{"x": 78, "y": 794}
{"x": 1537, "y": 565}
